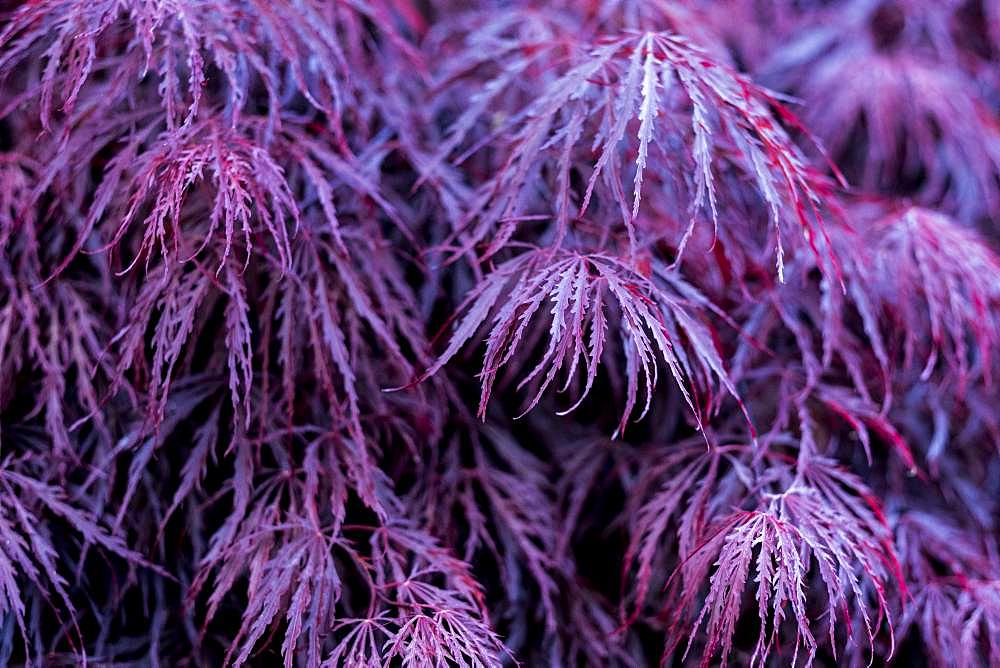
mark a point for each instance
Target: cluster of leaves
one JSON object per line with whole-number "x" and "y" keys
{"x": 330, "y": 332}
{"x": 903, "y": 94}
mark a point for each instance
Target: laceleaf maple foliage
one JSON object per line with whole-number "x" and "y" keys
{"x": 335, "y": 333}
{"x": 931, "y": 127}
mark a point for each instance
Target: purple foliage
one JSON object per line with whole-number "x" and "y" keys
{"x": 331, "y": 332}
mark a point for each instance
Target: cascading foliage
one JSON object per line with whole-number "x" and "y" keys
{"x": 444, "y": 333}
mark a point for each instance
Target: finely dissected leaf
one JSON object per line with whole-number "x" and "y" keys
{"x": 781, "y": 544}
{"x": 247, "y": 188}
{"x": 605, "y": 89}
{"x": 653, "y": 322}
{"x": 942, "y": 285}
